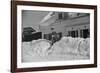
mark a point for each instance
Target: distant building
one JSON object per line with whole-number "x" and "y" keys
{"x": 58, "y": 24}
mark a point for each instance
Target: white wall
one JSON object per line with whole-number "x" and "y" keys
{"x": 5, "y": 37}
{"x": 62, "y": 26}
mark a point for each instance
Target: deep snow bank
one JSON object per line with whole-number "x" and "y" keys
{"x": 68, "y": 45}
{"x": 38, "y": 47}
{"x": 67, "y": 48}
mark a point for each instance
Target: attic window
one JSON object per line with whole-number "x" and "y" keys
{"x": 78, "y": 14}
{"x": 60, "y": 16}
{"x": 52, "y": 28}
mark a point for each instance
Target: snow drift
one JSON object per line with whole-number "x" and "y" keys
{"x": 67, "y": 47}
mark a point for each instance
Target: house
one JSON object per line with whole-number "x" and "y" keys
{"x": 58, "y": 24}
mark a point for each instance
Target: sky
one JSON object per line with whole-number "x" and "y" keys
{"x": 31, "y": 18}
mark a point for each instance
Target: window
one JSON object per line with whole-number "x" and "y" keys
{"x": 60, "y": 16}
{"x": 73, "y": 33}
{"x": 76, "y": 33}
{"x": 84, "y": 33}
{"x": 65, "y": 15}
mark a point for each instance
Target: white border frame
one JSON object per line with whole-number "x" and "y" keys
{"x": 55, "y": 63}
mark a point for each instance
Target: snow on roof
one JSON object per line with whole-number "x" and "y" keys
{"x": 47, "y": 17}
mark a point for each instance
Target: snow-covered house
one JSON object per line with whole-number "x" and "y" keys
{"x": 58, "y": 24}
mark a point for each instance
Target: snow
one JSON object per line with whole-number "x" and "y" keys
{"x": 72, "y": 45}
{"x": 67, "y": 48}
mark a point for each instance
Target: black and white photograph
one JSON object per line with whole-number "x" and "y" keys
{"x": 55, "y": 36}
{"x": 52, "y": 36}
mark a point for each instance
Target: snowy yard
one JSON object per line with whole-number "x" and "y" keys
{"x": 66, "y": 49}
